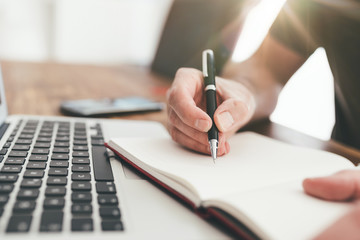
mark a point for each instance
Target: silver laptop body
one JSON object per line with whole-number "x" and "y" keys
{"x": 92, "y": 207}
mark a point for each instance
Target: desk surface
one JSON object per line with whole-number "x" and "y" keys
{"x": 39, "y": 88}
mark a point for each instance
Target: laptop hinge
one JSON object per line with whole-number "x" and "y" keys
{"x": 3, "y": 129}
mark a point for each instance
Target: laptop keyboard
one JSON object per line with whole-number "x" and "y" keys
{"x": 48, "y": 166}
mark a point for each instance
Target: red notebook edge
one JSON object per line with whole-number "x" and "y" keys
{"x": 206, "y": 213}
{"x": 155, "y": 180}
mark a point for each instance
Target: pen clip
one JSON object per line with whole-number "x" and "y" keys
{"x": 205, "y": 62}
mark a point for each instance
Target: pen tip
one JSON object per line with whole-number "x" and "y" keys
{"x": 213, "y": 148}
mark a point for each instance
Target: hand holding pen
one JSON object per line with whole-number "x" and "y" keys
{"x": 188, "y": 122}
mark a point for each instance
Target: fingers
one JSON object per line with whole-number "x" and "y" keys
{"x": 347, "y": 227}
{"x": 188, "y": 123}
{"x": 192, "y": 138}
{"x": 185, "y": 97}
{"x": 237, "y": 106}
{"x": 344, "y": 185}
{"x": 193, "y": 144}
{"x": 175, "y": 121}
{"x": 231, "y": 114}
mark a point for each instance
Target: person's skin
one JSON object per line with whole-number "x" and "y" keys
{"x": 247, "y": 91}
{"x": 342, "y": 186}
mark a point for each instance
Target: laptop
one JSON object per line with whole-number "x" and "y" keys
{"x": 58, "y": 181}
{"x": 194, "y": 25}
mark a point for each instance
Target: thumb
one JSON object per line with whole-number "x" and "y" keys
{"x": 346, "y": 227}
{"x": 343, "y": 185}
{"x": 231, "y": 115}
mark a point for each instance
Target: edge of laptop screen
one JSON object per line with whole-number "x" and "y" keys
{"x": 3, "y": 107}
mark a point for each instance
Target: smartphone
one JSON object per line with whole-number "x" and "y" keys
{"x": 105, "y": 107}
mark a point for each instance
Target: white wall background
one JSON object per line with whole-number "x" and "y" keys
{"x": 118, "y": 31}
{"x": 86, "y": 31}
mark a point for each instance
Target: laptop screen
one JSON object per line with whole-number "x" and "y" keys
{"x": 3, "y": 108}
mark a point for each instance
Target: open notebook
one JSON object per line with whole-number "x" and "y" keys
{"x": 255, "y": 189}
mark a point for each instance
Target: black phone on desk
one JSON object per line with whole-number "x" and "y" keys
{"x": 106, "y": 107}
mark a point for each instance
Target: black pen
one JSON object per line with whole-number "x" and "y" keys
{"x": 208, "y": 67}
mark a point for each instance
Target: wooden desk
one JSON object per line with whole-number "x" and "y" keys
{"x": 39, "y": 88}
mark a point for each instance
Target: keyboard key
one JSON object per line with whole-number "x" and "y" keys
{"x": 54, "y": 203}
{"x": 80, "y": 177}
{"x": 81, "y": 161}
{"x": 11, "y": 169}
{"x": 97, "y": 137}
{"x": 110, "y": 212}
{"x": 107, "y": 199}
{"x": 102, "y": 167}
{"x": 55, "y": 191}
{"x": 7, "y": 145}
{"x": 14, "y": 161}
{"x": 42, "y": 145}
{"x": 80, "y": 126}
{"x": 80, "y": 168}
{"x": 31, "y": 183}
{"x": 80, "y": 148}
{"x": 64, "y": 129}
{"x": 6, "y": 188}
{"x": 8, "y": 177}
{"x": 28, "y": 131}
{"x": 80, "y": 137}
{"x": 19, "y": 154}
{"x": 105, "y": 187}
{"x": 51, "y": 221}
{"x": 61, "y": 181}
{"x": 80, "y": 142}
{"x": 43, "y": 158}
{"x": 34, "y": 174}
{"x": 24, "y": 141}
{"x": 41, "y": 151}
{"x": 26, "y": 136}
{"x": 58, "y": 172}
{"x": 19, "y": 147}
{"x": 19, "y": 223}
{"x": 43, "y": 139}
{"x": 80, "y": 133}
{"x": 1, "y": 158}
{"x": 80, "y": 154}
{"x": 28, "y": 194}
{"x": 80, "y": 186}
{"x": 82, "y": 224}
{"x": 81, "y": 197}
{"x": 97, "y": 142}
{"x": 24, "y": 206}
{"x": 3, "y": 151}
{"x": 81, "y": 208}
{"x": 57, "y": 156}
{"x": 62, "y": 144}
{"x": 66, "y": 133}
{"x": 59, "y": 164}
{"x": 61, "y": 150}
{"x": 3, "y": 200}
{"x": 36, "y": 165}
{"x": 45, "y": 134}
{"x": 62, "y": 139}
{"x": 115, "y": 225}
